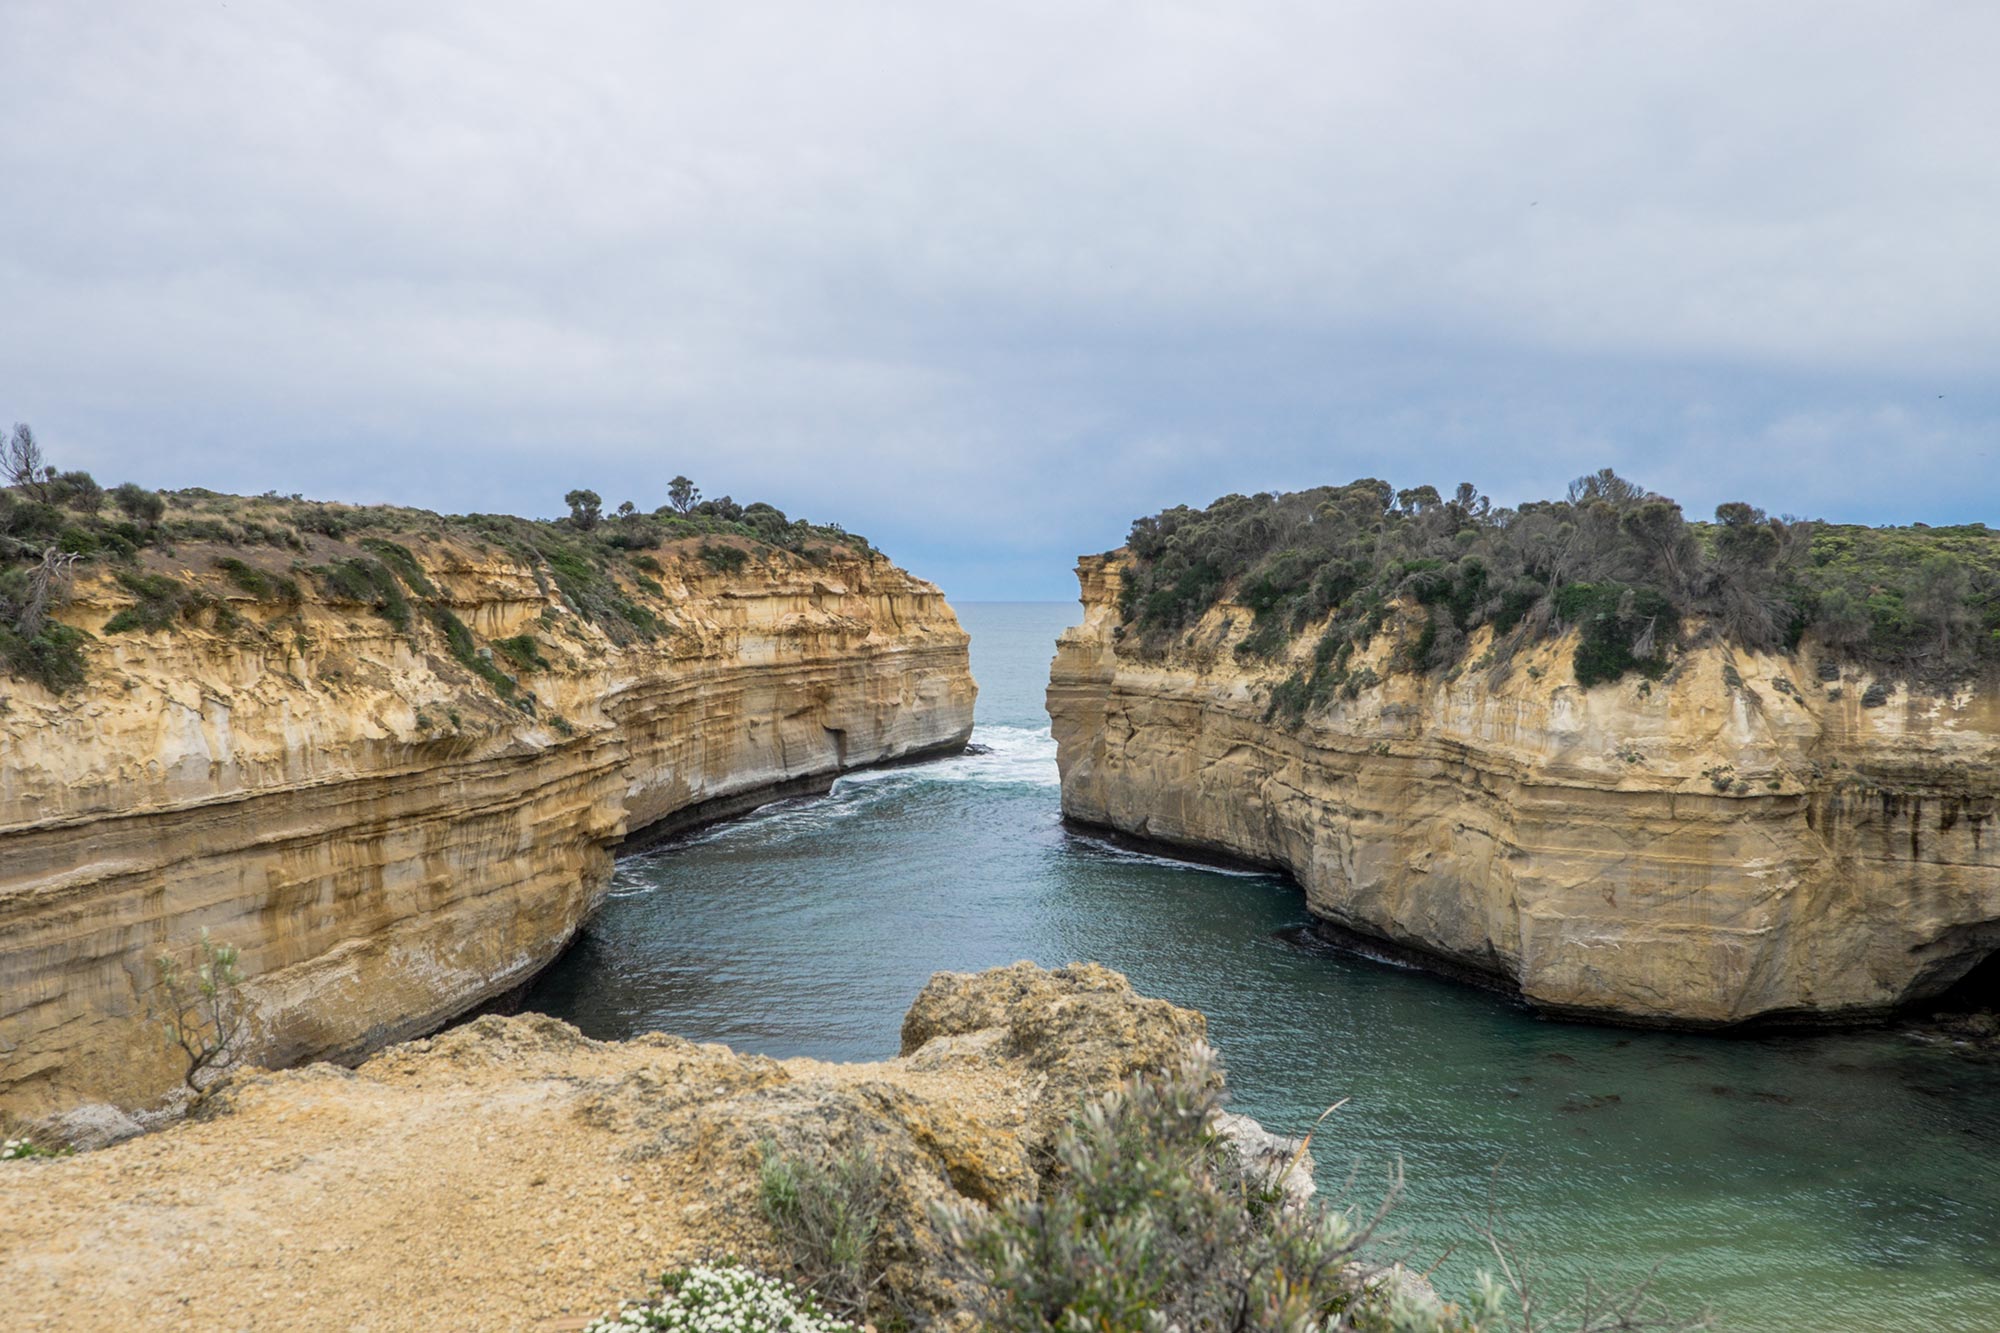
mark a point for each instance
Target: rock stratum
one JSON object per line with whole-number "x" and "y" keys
{"x": 512, "y": 1174}
{"x": 1753, "y": 837}
{"x": 389, "y": 838}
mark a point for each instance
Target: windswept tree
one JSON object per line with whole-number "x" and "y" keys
{"x": 586, "y": 508}
{"x": 683, "y": 495}
{"x": 23, "y": 464}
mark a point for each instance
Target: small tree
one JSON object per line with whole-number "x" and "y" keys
{"x": 79, "y": 491}
{"x": 683, "y": 495}
{"x": 23, "y": 464}
{"x": 139, "y": 504}
{"x": 203, "y": 1015}
{"x": 586, "y": 508}
{"x": 626, "y": 509}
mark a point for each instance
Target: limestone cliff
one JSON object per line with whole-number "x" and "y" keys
{"x": 1752, "y": 837}
{"x": 392, "y": 822}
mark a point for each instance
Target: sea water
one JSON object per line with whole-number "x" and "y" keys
{"x": 1793, "y": 1183}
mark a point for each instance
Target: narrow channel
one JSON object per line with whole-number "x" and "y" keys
{"x": 1796, "y": 1182}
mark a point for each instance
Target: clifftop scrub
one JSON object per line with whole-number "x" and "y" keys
{"x": 388, "y": 755}
{"x": 1612, "y": 561}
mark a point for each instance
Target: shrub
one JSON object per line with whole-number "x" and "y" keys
{"x": 724, "y": 559}
{"x": 370, "y": 583}
{"x": 458, "y": 639}
{"x": 52, "y": 657}
{"x": 163, "y": 602}
{"x": 1151, "y": 1223}
{"x": 139, "y": 504}
{"x": 1620, "y": 629}
{"x": 523, "y": 652}
{"x": 827, "y": 1214}
{"x": 726, "y": 1298}
{"x": 264, "y": 587}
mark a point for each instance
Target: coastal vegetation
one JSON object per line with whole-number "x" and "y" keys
{"x": 1617, "y": 563}
{"x": 162, "y": 547}
{"x": 1148, "y": 1218}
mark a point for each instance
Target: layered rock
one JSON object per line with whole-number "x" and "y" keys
{"x": 511, "y": 1171}
{"x": 1752, "y": 837}
{"x": 388, "y": 838}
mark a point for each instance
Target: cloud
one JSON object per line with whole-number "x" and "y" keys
{"x": 985, "y": 281}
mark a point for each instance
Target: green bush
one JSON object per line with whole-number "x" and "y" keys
{"x": 163, "y": 602}
{"x": 1620, "y": 629}
{"x": 724, "y": 559}
{"x": 52, "y": 657}
{"x": 827, "y": 1213}
{"x": 523, "y": 652}
{"x": 1152, "y": 1223}
{"x": 264, "y": 587}
{"x": 369, "y": 583}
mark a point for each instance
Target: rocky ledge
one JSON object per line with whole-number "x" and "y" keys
{"x": 393, "y": 771}
{"x": 1753, "y": 837}
{"x": 511, "y": 1173}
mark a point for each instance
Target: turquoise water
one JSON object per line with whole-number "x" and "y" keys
{"x": 1837, "y": 1182}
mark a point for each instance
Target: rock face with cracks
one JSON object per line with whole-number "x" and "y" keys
{"x": 1753, "y": 837}
{"x": 511, "y": 1173}
{"x": 389, "y": 838}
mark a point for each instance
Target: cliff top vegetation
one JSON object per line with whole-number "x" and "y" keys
{"x": 1619, "y": 563}
{"x": 54, "y": 524}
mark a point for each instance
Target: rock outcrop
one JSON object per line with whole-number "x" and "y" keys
{"x": 513, "y": 1174}
{"x": 390, "y": 828}
{"x": 1752, "y": 837}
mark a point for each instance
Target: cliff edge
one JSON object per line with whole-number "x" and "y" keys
{"x": 389, "y": 756}
{"x": 513, "y": 1174}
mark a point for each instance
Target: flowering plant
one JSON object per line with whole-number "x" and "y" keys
{"x": 724, "y": 1298}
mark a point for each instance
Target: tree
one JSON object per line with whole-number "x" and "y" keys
{"x": 78, "y": 490}
{"x": 23, "y": 463}
{"x": 1938, "y": 597}
{"x": 139, "y": 504}
{"x": 586, "y": 508}
{"x": 203, "y": 1019}
{"x": 683, "y": 495}
{"x": 627, "y": 509}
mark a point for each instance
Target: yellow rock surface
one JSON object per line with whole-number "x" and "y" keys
{"x": 1741, "y": 840}
{"x": 387, "y": 841}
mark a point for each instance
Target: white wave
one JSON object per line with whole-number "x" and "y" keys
{"x": 1112, "y": 851}
{"x": 1001, "y": 756}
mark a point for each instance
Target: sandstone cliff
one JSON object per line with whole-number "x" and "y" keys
{"x": 512, "y": 1174}
{"x": 1753, "y": 837}
{"x": 392, "y": 822}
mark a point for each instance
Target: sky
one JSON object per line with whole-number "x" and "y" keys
{"x": 987, "y": 281}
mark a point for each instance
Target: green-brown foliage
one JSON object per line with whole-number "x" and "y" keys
{"x": 1616, "y": 561}
{"x": 827, "y": 1213}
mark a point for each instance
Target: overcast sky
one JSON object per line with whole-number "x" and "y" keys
{"x": 987, "y": 281}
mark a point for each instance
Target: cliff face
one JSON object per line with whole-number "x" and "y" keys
{"x": 1751, "y": 837}
{"x": 387, "y": 839}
